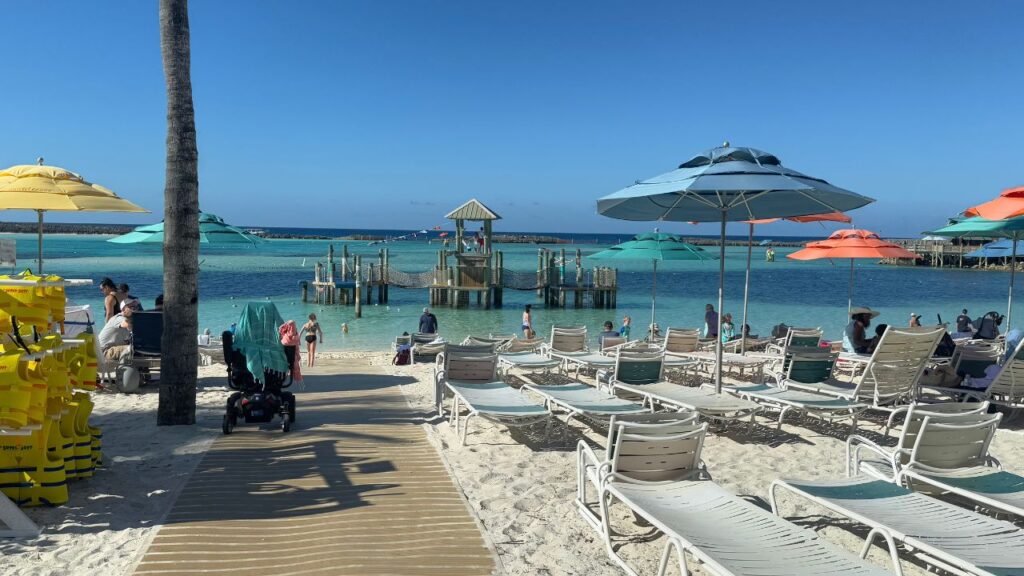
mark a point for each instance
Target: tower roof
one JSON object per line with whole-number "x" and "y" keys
{"x": 473, "y": 210}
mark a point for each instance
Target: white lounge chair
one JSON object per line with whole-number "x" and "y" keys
{"x": 950, "y": 456}
{"x": 471, "y": 377}
{"x": 726, "y": 534}
{"x": 796, "y": 337}
{"x": 893, "y": 459}
{"x": 582, "y": 400}
{"x": 425, "y": 346}
{"x": 681, "y": 436}
{"x": 680, "y": 341}
{"x": 643, "y": 375}
{"x": 569, "y": 345}
{"x": 1007, "y": 388}
{"x": 940, "y": 534}
{"x": 891, "y": 375}
{"x": 474, "y": 364}
{"x": 828, "y": 408}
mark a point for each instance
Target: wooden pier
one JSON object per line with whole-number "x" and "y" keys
{"x": 467, "y": 270}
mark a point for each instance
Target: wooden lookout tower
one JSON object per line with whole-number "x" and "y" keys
{"x": 476, "y": 268}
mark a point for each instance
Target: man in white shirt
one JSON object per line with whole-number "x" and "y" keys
{"x": 113, "y": 338}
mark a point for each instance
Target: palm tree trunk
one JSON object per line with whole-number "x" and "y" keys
{"x": 179, "y": 354}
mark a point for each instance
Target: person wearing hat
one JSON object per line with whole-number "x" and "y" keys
{"x": 855, "y": 337}
{"x": 915, "y": 320}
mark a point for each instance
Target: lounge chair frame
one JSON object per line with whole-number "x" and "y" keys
{"x": 904, "y": 520}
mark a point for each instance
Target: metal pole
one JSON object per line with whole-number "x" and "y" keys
{"x": 721, "y": 301}
{"x": 40, "y": 214}
{"x": 746, "y": 290}
{"x": 849, "y": 298}
{"x": 1013, "y": 272}
{"x": 654, "y": 291}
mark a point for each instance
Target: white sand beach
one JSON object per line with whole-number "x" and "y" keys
{"x": 519, "y": 485}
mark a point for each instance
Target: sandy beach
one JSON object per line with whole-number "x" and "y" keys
{"x": 519, "y": 485}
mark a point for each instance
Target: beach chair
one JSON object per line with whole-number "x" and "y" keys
{"x": 937, "y": 533}
{"x": 522, "y": 345}
{"x": 526, "y": 361}
{"x": 579, "y": 400}
{"x": 782, "y": 400}
{"x": 893, "y": 459}
{"x": 399, "y": 341}
{"x": 1006, "y": 389}
{"x": 798, "y": 337}
{"x": 569, "y": 345}
{"x": 950, "y": 456}
{"x": 471, "y": 377}
{"x": 726, "y": 534}
{"x": 680, "y": 341}
{"x": 425, "y": 346}
{"x": 610, "y": 343}
{"x": 632, "y": 450}
{"x": 643, "y": 375}
{"x": 147, "y": 330}
{"x": 891, "y": 375}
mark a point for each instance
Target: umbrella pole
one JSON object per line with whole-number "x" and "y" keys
{"x": 654, "y": 294}
{"x": 1013, "y": 272}
{"x": 746, "y": 290}
{"x": 849, "y": 297}
{"x": 721, "y": 301}
{"x": 40, "y": 260}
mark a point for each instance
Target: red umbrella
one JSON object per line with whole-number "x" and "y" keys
{"x": 827, "y": 217}
{"x": 1010, "y": 203}
{"x": 852, "y": 244}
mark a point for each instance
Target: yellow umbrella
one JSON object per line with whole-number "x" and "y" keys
{"x": 44, "y": 188}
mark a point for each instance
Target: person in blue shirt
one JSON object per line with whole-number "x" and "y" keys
{"x": 627, "y": 323}
{"x": 609, "y": 332}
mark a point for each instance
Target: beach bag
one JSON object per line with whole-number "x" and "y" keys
{"x": 402, "y": 357}
{"x": 943, "y": 376}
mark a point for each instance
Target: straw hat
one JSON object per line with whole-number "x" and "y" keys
{"x": 863, "y": 310}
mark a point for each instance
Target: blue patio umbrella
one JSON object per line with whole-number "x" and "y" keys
{"x": 977, "y": 227}
{"x": 212, "y": 230}
{"x": 654, "y": 246}
{"x": 728, "y": 184}
{"x": 998, "y": 249}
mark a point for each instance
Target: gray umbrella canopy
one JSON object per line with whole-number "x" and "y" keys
{"x": 728, "y": 184}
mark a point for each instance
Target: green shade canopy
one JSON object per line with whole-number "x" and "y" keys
{"x": 256, "y": 336}
{"x": 655, "y": 246}
{"x": 978, "y": 227}
{"x": 212, "y": 230}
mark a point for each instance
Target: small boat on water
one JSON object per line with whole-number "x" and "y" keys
{"x": 261, "y": 232}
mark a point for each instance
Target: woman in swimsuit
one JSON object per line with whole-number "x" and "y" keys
{"x": 527, "y": 322}
{"x": 312, "y": 331}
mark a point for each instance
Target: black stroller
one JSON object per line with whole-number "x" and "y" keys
{"x": 258, "y": 399}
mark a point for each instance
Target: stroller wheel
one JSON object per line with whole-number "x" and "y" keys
{"x": 286, "y": 422}
{"x": 228, "y": 424}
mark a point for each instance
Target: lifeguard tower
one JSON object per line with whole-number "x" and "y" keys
{"x": 468, "y": 264}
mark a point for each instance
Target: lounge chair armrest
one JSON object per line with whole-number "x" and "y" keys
{"x": 856, "y": 443}
{"x": 993, "y": 462}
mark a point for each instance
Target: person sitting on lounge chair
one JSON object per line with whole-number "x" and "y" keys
{"x": 114, "y": 337}
{"x": 988, "y": 326}
{"x": 609, "y": 332}
{"x": 855, "y": 337}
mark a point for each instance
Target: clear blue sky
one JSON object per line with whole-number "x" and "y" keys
{"x": 387, "y": 113}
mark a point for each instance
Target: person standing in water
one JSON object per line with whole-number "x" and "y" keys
{"x": 528, "y": 322}
{"x": 313, "y": 333}
{"x": 710, "y": 322}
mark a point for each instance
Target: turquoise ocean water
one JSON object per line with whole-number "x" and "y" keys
{"x": 797, "y": 293}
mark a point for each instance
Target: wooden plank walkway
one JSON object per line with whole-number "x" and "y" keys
{"x": 354, "y": 488}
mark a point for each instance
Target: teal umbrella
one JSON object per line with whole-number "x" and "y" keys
{"x": 212, "y": 230}
{"x": 977, "y": 227}
{"x": 655, "y": 246}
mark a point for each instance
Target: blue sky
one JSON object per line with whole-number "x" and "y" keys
{"x": 388, "y": 113}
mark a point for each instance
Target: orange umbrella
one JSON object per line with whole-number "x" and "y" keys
{"x": 1010, "y": 203}
{"x": 827, "y": 217}
{"x": 852, "y": 244}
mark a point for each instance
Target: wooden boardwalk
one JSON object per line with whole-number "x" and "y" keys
{"x": 353, "y": 489}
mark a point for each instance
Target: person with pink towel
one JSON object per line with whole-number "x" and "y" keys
{"x": 289, "y": 333}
